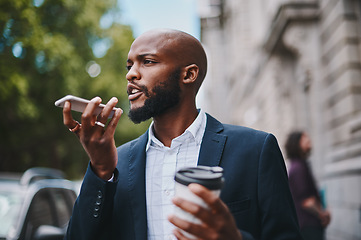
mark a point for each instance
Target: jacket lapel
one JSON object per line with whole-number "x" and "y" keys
{"x": 212, "y": 144}
{"x": 137, "y": 186}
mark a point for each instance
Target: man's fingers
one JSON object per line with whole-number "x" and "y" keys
{"x": 189, "y": 227}
{"x": 104, "y": 115}
{"x": 67, "y": 117}
{"x": 177, "y": 233}
{"x": 88, "y": 118}
{"x": 114, "y": 122}
{"x": 217, "y": 213}
{"x": 73, "y": 126}
{"x": 193, "y": 208}
{"x": 212, "y": 200}
{"x": 90, "y": 122}
{"x": 219, "y": 218}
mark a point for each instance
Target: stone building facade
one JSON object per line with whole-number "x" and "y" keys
{"x": 280, "y": 65}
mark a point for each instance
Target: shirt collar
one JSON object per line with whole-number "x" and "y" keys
{"x": 196, "y": 129}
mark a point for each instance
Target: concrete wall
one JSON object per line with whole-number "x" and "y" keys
{"x": 279, "y": 65}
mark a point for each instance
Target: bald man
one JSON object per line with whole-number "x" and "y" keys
{"x": 128, "y": 192}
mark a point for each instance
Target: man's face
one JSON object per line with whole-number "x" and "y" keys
{"x": 153, "y": 78}
{"x": 161, "y": 97}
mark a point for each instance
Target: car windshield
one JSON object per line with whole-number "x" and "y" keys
{"x": 10, "y": 204}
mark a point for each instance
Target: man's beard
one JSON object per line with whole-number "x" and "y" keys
{"x": 164, "y": 95}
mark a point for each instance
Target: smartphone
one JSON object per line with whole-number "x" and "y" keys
{"x": 78, "y": 104}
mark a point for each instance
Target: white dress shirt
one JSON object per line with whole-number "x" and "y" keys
{"x": 161, "y": 165}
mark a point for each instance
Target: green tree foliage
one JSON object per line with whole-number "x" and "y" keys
{"x": 49, "y": 49}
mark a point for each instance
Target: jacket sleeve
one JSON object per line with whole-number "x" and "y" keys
{"x": 92, "y": 212}
{"x": 278, "y": 214}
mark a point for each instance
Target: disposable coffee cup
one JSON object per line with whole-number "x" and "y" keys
{"x": 209, "y": 177}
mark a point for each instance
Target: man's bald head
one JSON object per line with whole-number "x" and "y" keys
{"x": 183, "y": 47}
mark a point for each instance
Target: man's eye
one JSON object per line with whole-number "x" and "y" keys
{"x": 147, "y": 61}
{"x": 129, "y": 67}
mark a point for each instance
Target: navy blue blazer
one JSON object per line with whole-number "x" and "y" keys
{"x": 256, "y": 188}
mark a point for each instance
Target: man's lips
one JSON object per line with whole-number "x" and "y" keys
{"x": 134, "y": 92}
{"x": 134, "y": 95}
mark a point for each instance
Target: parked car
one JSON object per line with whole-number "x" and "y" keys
{"x": 36, "y": 205}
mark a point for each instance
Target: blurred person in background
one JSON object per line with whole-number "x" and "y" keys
{"x": 312, "y": 216}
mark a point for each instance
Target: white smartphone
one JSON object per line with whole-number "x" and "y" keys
{"x": 78, "y": 104}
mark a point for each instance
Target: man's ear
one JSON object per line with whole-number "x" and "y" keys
{"x": 191, "y": 73}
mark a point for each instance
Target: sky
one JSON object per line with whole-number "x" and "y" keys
{"x": 144, "y": 15}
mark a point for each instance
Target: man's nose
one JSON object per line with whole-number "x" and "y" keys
{"x": 133, "y": 74}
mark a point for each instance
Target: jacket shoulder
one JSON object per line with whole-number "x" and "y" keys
{"x": 233, "y": 130}
{"x": 229, "y": 128}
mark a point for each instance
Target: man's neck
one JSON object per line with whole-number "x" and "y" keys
{"x": 173, "y": 124}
